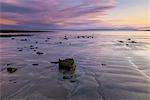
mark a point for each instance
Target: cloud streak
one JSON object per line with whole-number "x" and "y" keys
{"x": 35, "y": 14}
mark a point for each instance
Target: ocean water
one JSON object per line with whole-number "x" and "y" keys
{"x": 107, "y": 69}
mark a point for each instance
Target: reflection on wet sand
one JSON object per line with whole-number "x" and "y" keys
{"x": 102, "y": 66}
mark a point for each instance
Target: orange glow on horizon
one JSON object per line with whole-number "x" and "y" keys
{"x": 7, "y": 22}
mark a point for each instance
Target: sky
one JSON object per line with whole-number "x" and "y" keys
{"x": 74, "y": 14}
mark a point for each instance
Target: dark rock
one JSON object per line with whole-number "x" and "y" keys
{"x": 60, "y": 42}
{"x": 31, "y": 46}
{"x": 48, "y": 38}
{"x": 20, "y": 50}
{"x": 12, "y": 38}
{"x": 133, "y": 42}
{"x": 83, "y": 36}
{"x": 11, "y": 70}
{"x": 129, "y": 39}
{"x": 8, "y": 64}
{"x": 35, "y": 64}
{"x": 103, "y": 64}
{"x": 78, "y": 36}
{"x": 39, "y": 53}
{"x": 23, "y": 40}
{"x": 121, "y": 41}
{"x": 72, "y": 81}
{"x": 65, "y": 37}
{"x": 36, "y": 42}
{"x": 67, "y": 64}
{"x": 65, "y": 77}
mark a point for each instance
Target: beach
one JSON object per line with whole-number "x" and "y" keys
{"x": 110, "y": 65}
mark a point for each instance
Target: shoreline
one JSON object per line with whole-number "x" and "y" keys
{"x": 14, "y": 35}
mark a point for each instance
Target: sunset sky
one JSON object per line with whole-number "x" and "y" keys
{"x": 74, "y": 14}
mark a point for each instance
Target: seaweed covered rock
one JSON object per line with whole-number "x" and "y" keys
{"x": 67, "y": 64}
{"x": 67, "y": 69}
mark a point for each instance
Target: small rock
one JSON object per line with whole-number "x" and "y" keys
{"x": 35, "y": 64}
{"x": 20, "y": 50}
{"x": 129, "y": 39}
{"x": 31, "y": 46}
{"x": 121, "y": 41}
{"x": 78, "y": 36}
{"x": 8, "y": 64}
{"x": 60, "y": 42}
{"x": 12, "y": 38}
{"x": 103, "y": 64}
{"x": 133, "y": 42}
{"x": 39, "y": 53}
{"x": 65, "y": 77}
{"x": 83, "y": 36}
{"x": 23, "y": 40}
{"x": 65, "y": 37}
{"x": 72, "y": 81}
{"x": 11, "y": 70}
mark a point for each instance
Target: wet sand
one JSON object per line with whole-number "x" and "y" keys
{"x": 106, "y": 69}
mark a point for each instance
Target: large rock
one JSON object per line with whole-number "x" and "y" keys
{"x": 67, "y": 64}
{"x": 67, "y": 68}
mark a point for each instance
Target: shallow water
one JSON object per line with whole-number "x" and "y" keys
{"x": 106, "y": 69}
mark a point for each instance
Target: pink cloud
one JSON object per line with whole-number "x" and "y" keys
{"x": 53, "y": 12}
